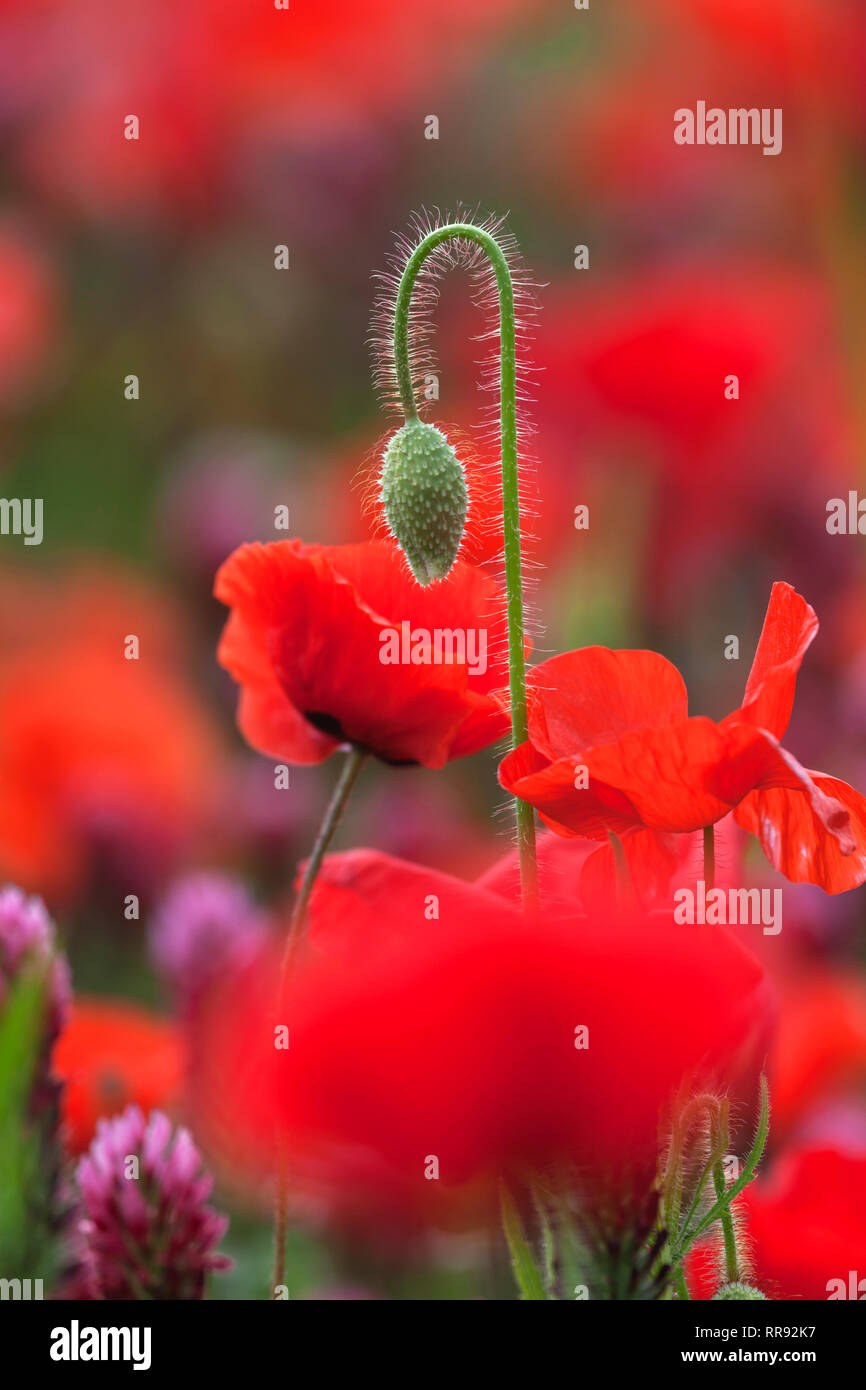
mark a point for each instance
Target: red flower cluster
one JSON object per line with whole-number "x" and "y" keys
{"x": 438, "y": 1042}
{"x": 622, "y": 718}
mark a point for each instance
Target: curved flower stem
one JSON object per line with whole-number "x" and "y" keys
{"x": 355, "y": 760}
{"x": 510, "y": 487}
{"x": 691, "y": 1233}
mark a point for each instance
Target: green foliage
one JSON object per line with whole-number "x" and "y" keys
{"x": 27, "y": 1173}
{"x": 526, "y": 1272}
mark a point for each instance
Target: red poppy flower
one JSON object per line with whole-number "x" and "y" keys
{"x": 820, "y": 1048}
{"x": 623, "y": 717}
{"x": 113, "y": 1054}
{"x": 635, "y": 367}
{"x": 807, "y": 1222}
{"x": 429, "y": 1021}
{"x": 309, "y": 628}
{"x": 806, "y": 1225}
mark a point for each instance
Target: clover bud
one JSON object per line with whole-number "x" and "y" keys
{"x": 425, "y": 499}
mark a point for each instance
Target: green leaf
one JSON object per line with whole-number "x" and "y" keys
{"x": 21, "y": 1021}
{"x": 526, "y": 1271}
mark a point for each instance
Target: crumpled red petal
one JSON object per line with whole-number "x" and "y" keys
{"x": 795, "y": 829}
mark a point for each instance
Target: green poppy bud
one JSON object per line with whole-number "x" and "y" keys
{"x": 737, "y": 1290}
{"x": 425, "y": 499}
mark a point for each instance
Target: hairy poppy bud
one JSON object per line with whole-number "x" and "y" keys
{"x": 738, "y": 1290}
{"x": 425, "y": 499}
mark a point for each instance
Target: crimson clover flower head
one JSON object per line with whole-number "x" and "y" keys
{"x": 205, "y": 922}
{"x": 27, "y": 939}
{"x": 143, "y": 1228}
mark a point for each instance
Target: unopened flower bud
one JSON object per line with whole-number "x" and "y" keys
{"x": 425, "y": 499}
{"x": 736, "y": 1291}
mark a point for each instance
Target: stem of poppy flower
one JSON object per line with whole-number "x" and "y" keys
{"x": 732, "y": 1260}
{"x": 525, "y": 816}
{"x": 719, "y": 1134}
{"x": 710, "y": 856}
{"x": 622, "y": 876}
{"x": 355, "y": 760}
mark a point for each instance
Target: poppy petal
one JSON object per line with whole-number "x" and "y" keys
{"x": 593, "y": 695}
{"x": 267, "y": 720}
{"x": 346, "y": 908}
{"x": 797, "y": 834}
{"x": 789, "y": 629}
{"x": 550, "y": 787}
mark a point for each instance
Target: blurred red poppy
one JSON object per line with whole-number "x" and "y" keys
{"x": 113, "y": 1054}
{"x": 803, "y": 42}
{"x": 204, "y": 82}
{"x": 807, "y": 1220}
{"x": 820, "y": 1047}
{"x": 97, "y": 752}
{"x": 621, "y": 718}
{"x": 435, "y": 1045}
{"x": 637, "y": 369}
{"x": 305, "y": 642}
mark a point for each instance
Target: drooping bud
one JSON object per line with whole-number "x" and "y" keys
{"x": 425, "y": 499}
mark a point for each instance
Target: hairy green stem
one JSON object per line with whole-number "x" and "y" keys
{"x": 732, "y": 1259}
{"x": 691, "y": 1234}
{"x": 719, "y": 1139}
{"x": 465, "y": 231}
{"x": 548, "y": 1242}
